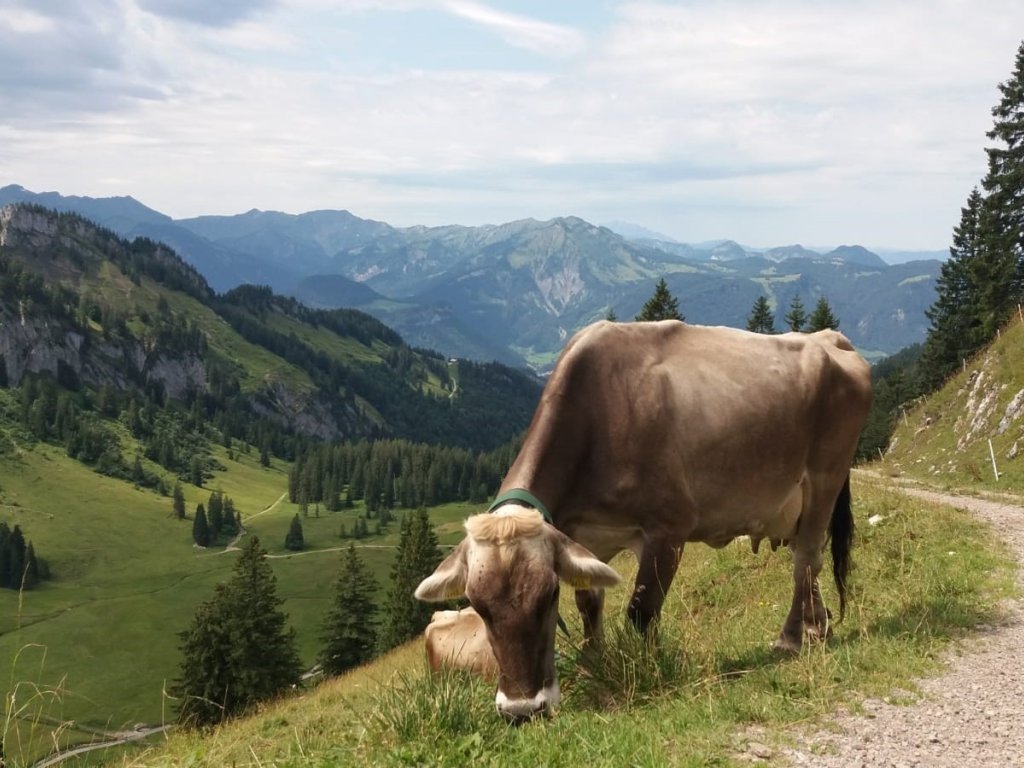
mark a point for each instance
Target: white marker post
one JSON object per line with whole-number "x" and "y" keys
{"x": 992, "y": 453}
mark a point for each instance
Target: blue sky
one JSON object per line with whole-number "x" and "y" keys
{"x": 766, "y": 121}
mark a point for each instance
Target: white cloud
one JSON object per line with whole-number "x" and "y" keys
{"x": 524, "y": 32}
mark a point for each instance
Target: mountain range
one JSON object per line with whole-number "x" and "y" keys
{"x": 514, "y": 292}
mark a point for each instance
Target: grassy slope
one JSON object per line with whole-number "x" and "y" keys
{"x": 127, "y": 579}
{"x": 688, "y": 703}
{"x": 935, "y": 440}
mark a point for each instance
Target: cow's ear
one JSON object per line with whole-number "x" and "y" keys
{"x": 577, "y": 566}
{"x": 448, "y": 581}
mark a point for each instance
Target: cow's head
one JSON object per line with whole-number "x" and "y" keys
{"x": 509, "y": 566}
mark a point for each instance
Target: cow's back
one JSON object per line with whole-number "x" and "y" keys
{"x": 653, "y": 425}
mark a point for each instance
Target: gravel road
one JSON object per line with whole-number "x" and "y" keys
{"x": 970, "y": 716}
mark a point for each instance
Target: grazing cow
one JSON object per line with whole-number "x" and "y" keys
{"x": 649, "y": 436}
{"x": 458, "y": 639}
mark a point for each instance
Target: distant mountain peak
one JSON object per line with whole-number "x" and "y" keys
{"x": 632, "y": 231}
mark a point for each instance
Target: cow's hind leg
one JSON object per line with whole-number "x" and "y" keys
{"x": 807, "y": 606}
{"x": 658, "y": 563}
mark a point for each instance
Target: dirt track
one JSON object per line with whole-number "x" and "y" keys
{"x": 970, "y": 716}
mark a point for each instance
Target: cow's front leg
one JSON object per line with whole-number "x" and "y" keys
{"x": 590, "y": 603}
{"x": 658, "y": 563}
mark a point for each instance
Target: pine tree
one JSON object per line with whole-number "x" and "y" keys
{"x": 200, "y": 528}
{"x": 661, "y": 306}
{"x": 1004, "y": 183}
{"x": 417, "y": 557}
{"x": 294, "y": 540}
{"x": 610, "y": 316}
{"x": 796, "y": 317}
{"x": 955, "y": 329}
{"x": 761, "y": 319}
{"x": 215, "y": 513}
{"x": 195, "y": 472}
{"x": 349, "y": 632}
{"x": 178, "y": 503}
{"x": 822, "y": 317}
{"x": 238, "y": 651}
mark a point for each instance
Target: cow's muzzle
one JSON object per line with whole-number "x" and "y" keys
{"x": 517, "y": 711}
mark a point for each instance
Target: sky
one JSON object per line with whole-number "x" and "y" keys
{"x": 769, "y": 122}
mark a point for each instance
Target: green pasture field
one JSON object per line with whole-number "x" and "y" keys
{"x": 97, "y": 644}
{"x": 924, "y": 576}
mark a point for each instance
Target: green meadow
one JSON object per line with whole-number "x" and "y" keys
{"x": 96, "y": 645}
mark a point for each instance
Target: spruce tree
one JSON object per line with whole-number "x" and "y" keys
{"x": 200, "y": 528}
{"x": 661, "y": 306}
{"x": 238, "y": 651}
{"x": 955, "y": 328}
{"x": 1004, "y": 183}
{"x": 761, "y": 319}
{"x": 178, "y": 502}
{"x": 796, "y": 317}
{"x": 349, "y": 632}
{"x": 822, "y": 317}
{"x": 416, "y": 558}
{"x": 294, "y": 540}
{"x": 215, "y": 512}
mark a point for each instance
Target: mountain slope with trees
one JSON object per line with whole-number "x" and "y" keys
{"x": 133, "y": 321}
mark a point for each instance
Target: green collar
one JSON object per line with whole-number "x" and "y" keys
{"x": 524, "y": 496}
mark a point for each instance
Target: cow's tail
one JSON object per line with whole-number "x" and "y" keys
{"x": 841, "y": 534}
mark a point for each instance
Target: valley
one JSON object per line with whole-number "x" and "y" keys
{"x": 98, "y": 644}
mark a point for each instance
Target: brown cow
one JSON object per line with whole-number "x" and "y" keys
{"x": 458, "y": 639}
{"x": 649, "y": 436}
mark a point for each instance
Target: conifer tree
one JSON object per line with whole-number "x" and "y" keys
{"x": 215, "y": 512}
{"x": 238, "y": 651}
{"x": 1004, "y": 184}
{"x": 822, "y": 317}
{"x": 349, "y": 631}
{"x": 984, "y": 278}
{"x": 661, "y": 306}
{"x": 178, "y": 501}
{"x": 796, "y": 317}
{"x": 294, "y": 540}
{"x": 200, "y": 528}
{"x": 954, "y": 332}
{"x": 417, "y": 557}
{"x": 761, "y": 319}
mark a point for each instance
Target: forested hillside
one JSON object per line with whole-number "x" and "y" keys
{"x": 132, "y": 322}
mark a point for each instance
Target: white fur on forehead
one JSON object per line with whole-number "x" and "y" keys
{"x": 509, "y": 522}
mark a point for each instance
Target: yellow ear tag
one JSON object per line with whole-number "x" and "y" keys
{"x": 455, "y": 594}
{"x": 580, "y": 582}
